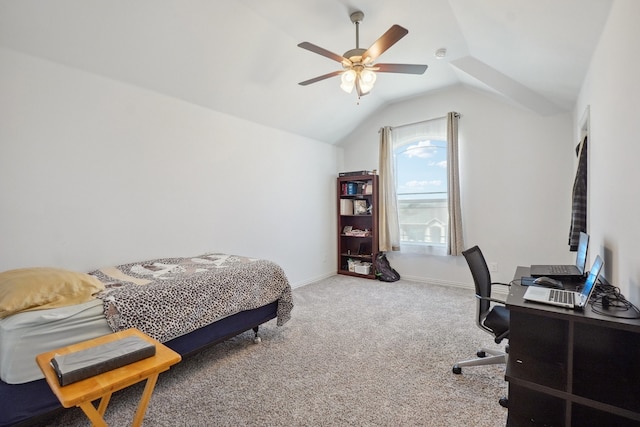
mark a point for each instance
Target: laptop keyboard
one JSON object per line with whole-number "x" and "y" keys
{"x": 563, "y": 297}
{"x": 559, "y": 269}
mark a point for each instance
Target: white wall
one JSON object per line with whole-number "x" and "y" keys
{"x": 516, "y": 171}
{"x": 94, "y": 172}
{"x": 611, "y": 90}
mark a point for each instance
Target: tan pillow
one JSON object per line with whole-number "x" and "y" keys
{"x": 42, "y": 287}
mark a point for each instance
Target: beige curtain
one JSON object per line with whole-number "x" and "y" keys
{"x": 389, "y": 236}
{"x": 455, "y": 245}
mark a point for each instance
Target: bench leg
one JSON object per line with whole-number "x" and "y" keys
{"x": 144, "y": 400}
{"x": 104, "y": 402}
{"x": 92, "y": 413}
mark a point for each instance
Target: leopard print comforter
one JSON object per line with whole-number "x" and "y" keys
{"x": 167, "y": 298}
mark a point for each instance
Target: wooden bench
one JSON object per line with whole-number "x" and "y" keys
{"x": 84, "y": 392}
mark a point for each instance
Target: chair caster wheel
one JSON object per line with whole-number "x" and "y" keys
{"x": 456, "y": 369}
{"x": 504, "y": 402}
{"x": 257, "y": 340}
{"x": 481, "y": 353}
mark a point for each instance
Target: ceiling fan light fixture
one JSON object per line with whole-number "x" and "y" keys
{"x": 348, "y": 80}
{"x": 367, "y": 79}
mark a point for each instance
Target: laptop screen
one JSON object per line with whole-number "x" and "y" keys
{"x": 590, "y": 283}
{"x": 581, "y": 256}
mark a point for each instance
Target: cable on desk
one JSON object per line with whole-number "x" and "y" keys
{"x": 607, "y": 300}
{"x": 515, "y": 282}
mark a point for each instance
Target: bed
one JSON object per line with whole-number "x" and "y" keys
{"x": 186, "y": 303}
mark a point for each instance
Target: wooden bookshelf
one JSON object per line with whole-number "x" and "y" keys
{"x": 357, "y": 208}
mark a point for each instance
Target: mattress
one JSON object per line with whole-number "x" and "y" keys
{"x": 25, "y": 335}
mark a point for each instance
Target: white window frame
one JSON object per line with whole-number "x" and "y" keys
{"x": 436, "y": 130}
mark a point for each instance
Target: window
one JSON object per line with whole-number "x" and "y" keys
{"x": 420, "y": 157}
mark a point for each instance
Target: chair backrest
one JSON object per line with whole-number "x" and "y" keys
{"x": 481, "y": 278}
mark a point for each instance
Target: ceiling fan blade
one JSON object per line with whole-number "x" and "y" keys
{"x": 401, "y": 68}
{"x": 324, "y": 76}
{"x": 388, "y": 39}
{"x": 324, "y": 52}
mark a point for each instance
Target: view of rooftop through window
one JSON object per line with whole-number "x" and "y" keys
{"x": 421, "y": 185}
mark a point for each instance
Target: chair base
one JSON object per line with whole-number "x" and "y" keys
{"x": 496, "y": 357}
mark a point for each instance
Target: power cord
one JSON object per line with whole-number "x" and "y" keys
{"x": 515, "y": 282}
{"x": 607, "y": 300}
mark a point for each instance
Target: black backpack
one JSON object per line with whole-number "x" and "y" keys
{"x": 383, "y": 269}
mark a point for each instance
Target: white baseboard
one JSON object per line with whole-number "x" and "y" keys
{"x": 439, "y": 282}
{"x": 500, "y": 291}
{"x": 309, "y": 281}
{"x": 426, "y": 280}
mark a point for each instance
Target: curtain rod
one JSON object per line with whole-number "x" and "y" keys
{"x": 422, "y": 121}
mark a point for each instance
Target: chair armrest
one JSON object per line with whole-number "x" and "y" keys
{"x": 502, "y": 336}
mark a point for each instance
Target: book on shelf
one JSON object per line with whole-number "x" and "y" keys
{"x": 346, "y": 207}
{"x": 349, "y": 188}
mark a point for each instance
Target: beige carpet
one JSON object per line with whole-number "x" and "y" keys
{"x": 356, "y": 353}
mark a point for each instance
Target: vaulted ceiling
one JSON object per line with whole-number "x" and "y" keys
{"x": 241, "y": 57}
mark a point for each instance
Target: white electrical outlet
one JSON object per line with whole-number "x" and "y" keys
{"x": 493, "y": 267}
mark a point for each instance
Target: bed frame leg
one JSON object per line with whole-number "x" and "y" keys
{"x": 256, "y": 338}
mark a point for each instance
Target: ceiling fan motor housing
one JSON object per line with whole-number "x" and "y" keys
{"x": 354, "y": 55}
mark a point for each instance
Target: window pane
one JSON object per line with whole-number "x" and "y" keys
{"x": 421, "y": 181}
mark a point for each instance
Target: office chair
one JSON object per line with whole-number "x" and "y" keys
{"x": 492, "y": 315}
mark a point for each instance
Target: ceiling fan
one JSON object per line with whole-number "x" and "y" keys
{"x": 358, "y": 64}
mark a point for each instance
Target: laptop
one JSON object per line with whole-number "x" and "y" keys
{"x": 566, "y": 271}
{"x": 568, "y": 299}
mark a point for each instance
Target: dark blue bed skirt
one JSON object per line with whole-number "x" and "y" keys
{"x": 23, "y": 404}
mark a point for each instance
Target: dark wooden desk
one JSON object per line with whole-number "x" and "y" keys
{"x": 569, "y": 367}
